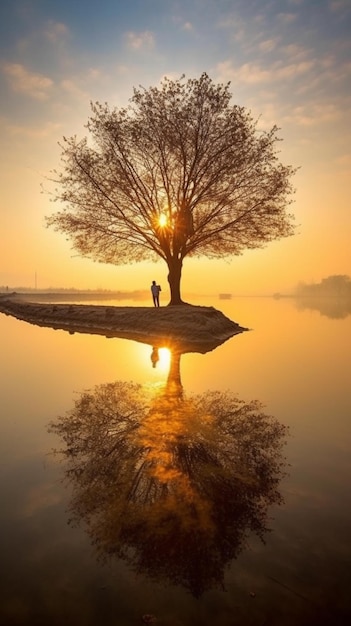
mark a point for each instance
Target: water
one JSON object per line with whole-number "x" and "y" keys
{"x": 192, "y": 556}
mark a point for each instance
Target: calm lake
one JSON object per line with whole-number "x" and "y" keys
{"x": 173, "y": 469}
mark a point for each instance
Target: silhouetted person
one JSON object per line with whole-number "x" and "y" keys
{"x": 155, "y": 290}
{"x": 155, "y": 357}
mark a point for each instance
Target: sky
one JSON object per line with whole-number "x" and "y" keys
{"x": 288, "y": 62}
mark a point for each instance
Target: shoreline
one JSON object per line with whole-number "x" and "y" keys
{"x": 187, "y": 327}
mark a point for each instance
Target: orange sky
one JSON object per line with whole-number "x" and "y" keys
{"x": 286, "y": 61}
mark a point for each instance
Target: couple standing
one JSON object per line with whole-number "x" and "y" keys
{"x": 155, "y": 291}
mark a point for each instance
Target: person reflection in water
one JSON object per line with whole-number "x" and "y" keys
{"x": 155, "y": 291}
{"x": 173, "y": 484}
{"x": 155, "y": 357}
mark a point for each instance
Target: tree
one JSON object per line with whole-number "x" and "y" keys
{"x": 179, "y": 172}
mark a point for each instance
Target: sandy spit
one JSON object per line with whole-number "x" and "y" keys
{"x": 191, "y": 328}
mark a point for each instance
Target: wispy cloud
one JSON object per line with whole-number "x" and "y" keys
{"x": 339, "y": 5}
{"x": 140, "y": 41}
{"x": 286, "y": 18}
{"x": 43, "y": 130}
{"x": 235, "y": 25}
{"x": 55, "y": 36}
{"x": 55, "y": 31}
{"x": 71, "y": 88}
{"x": 313, "y": 115}
{"x": 268, "y": 45}
{"x": 295, "y": 51}
{"x": 251, "y": 73}
{"x": 23, "y": 81}
{"x": 182, "y": 23}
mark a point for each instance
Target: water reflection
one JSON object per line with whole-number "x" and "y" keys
{"x": 172, "y": 483}
{"x": 332, "y": 307}
{"x": 155, "y": 357}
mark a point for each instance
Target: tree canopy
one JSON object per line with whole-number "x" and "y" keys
{"x": 180, "y": 172}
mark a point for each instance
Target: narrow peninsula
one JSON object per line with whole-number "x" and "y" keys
{"x": 191, "y": 328}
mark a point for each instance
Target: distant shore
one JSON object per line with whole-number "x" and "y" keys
{"x": 76, "y": 294}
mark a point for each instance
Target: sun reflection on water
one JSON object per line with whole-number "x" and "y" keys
{"x": 161, "y": 358}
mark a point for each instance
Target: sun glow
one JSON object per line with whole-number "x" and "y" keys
{"x": 161, "y": 358}
{"x": 165, "y": 358}
{"x": 162, "y": 220}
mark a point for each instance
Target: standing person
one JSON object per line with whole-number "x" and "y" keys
{"x": 155, "y": 290}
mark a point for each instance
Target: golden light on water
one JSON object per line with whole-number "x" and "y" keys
{"x": 160, "y": 359}
{"x": 164, "y": 359}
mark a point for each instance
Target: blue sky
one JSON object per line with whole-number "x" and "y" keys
{"x": 288, "y": 61}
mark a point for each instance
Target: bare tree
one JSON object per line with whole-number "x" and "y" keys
{"x": 179, "y": 172}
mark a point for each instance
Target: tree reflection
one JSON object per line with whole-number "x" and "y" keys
{"x": 331, "y": 297}
{"x": 332, "y": 307}
{"x": 173, "y": 484}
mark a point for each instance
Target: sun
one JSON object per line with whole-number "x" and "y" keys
{"x": 162, "y": 220}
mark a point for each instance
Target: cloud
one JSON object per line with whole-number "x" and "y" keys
{"x": 236, "y": 25}
{"x": 253, "y": 74}
{"x": 32, "y": 84}
{"x": 339, "y": 5}
{"x": 182, "y": 23}
{"x": 55, "y": 31}
{"x": 139, "y": 41}
{"x": 250, "y": 73}
{"x": 286, "y": 18}
{"x": 71, "y": 88}
{"x": 314, "y": 115}
{"x": 53, "y": 35}
{"x": 329, "y": 74}
{"x": 46, "y": 129}
{"x": 295, "y": 51}
{"x": 294, "y": 69}
{"x": 94, "y": 73}
{"x": 268, "y": 45}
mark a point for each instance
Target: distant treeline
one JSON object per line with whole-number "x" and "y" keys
{"x": 57, "y": 290}
{"x": 338, "y": 286}
{"x": 77, "y": 294}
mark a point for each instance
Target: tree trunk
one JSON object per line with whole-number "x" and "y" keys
{"x": 174, "y": 276}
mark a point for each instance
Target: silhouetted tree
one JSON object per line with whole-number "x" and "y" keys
{"x": 338, "y": 285}
{"x": 179, "y": 172}
{"x": 172, "y": 484}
